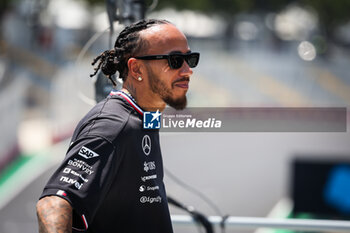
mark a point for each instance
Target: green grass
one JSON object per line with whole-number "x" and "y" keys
{"x": 14, "y": 166}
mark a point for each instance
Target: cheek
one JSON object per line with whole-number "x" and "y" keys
{"x": 166, "y": 82}
{"x": 168, "y": 76}
{"x": 165, "y": 69}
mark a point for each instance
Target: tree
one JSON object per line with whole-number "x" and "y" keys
{"x": 331, "y": 14}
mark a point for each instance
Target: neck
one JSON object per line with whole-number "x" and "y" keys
{"x": 144, "y": 97}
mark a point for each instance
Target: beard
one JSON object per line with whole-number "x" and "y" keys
{"x": 160, "y": 88}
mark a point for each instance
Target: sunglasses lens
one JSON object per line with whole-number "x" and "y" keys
{"x": 176, "y": 61}
{"x": 192, "y": 60}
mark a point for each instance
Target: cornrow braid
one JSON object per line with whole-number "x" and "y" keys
{"x": 128, "y": 44}
{"x": 106, "y": 64}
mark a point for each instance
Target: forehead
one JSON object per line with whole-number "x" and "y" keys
{"x": 164, "y": 38}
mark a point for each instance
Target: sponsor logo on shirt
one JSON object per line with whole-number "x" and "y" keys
{"x": 145, "y": 178}
{"x": 67, "y": 180}
{"x": 146, "y": 144}
{"x": 70, "y": 171}
{"x": 142, "y": 188}
{"x": 61, "y": 193}
{"x": 152, "y": 188}
{"x": 71, "y": 181}
{"x": 148, "y": 188}
{"x": 151, "y": 200}
{"x": 151, "y": 120}
{"x": 149, "y": 166}
{"x": 78, "y": 185}
{"x": 82, "y": 165}
{"x": 87, "y": 153}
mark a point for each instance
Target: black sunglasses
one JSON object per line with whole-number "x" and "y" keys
{"x": 175, "y": 60}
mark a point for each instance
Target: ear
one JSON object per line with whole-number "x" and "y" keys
{"x": 135, "y": 68}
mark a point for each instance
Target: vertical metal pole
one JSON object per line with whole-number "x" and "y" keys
{"x": 138, "y": 9}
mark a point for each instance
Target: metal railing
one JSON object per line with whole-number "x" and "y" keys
{"x": 255, "y": 222}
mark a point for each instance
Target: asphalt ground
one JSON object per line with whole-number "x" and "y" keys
{"x": 244, "y": 174}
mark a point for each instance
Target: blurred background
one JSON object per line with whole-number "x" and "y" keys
{"x": 254, "y": 53}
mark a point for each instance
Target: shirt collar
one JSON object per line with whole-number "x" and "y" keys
{"x": 129, "y": 99}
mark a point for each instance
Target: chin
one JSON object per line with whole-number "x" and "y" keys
{"x": 177, "y": 103}
{"x": 179, "y": 94}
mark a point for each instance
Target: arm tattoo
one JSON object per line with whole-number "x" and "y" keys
{"x": 54, "y": 215}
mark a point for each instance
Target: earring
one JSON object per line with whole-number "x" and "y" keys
{"x": 139, "y": 78}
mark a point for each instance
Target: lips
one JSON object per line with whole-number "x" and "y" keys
{"x": 182, "y": 84}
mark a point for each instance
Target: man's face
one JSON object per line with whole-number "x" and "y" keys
{"x": 170, "y": 85}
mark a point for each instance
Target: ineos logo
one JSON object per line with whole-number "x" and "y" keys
{"x": 146, "y": 144}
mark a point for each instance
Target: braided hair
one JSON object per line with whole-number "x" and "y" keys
{"x": 126, "y": 45}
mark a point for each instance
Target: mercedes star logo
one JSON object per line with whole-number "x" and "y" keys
{"x": 146, "y": 144}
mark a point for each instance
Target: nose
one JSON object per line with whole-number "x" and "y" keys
{"x": 186, "y": 70}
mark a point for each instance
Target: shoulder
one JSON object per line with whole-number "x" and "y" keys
{"x": 106, "y": 119}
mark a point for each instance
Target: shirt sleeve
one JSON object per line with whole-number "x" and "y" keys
{"x": 85, "y": 175}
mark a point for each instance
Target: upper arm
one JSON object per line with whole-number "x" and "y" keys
{"x": 84, "y": 177}
{"x": 54, "y": 215}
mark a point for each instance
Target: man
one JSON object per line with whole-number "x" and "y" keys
{"x": 111, "y": 179}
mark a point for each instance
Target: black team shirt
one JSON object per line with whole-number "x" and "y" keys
{"x": 112, "y": 174}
